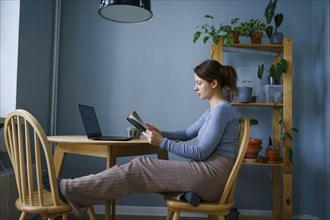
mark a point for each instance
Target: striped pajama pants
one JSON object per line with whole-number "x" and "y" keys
{"x": 145, "y": 175}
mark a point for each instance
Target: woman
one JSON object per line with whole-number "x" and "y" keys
{"x": 211, "y": 159}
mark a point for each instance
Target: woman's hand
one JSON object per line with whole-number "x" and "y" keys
{"x": 153, "y": 128}
{"x": 154, "y": 138}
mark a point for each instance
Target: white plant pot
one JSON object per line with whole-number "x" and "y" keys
{"x": 245, "y": 94}
{"x": 277, "y": 38}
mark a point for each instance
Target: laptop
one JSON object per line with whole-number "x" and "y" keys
{"x": 92, "y": 126}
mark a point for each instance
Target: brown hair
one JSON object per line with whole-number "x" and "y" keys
{"x": 225, "y": 75}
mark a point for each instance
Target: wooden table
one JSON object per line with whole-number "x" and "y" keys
{"x": 78, "y": 144}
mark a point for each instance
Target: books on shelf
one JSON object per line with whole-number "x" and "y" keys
{"x": 136, "y": 120}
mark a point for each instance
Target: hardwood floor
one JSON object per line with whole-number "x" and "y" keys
{"x": 135, "y": 217}
{"x": 152, "y": 218}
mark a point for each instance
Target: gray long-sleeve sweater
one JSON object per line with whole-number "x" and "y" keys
{"x": 216, "y": 130}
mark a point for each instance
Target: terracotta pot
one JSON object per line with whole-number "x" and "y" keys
{"x": 256, "y": 37}
{"x": 255, "y": 141}
{"x": 273, "y": 155}
{"x": 236, "y": 37}
{"x": 253, "y": 148}
{"x": 251, "y": 155}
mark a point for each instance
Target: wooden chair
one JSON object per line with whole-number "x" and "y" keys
{"x": 30, "y": 153}
{"x": 216, "y": 210}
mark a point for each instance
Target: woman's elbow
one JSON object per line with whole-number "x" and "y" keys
{"x": 202, "y": 156}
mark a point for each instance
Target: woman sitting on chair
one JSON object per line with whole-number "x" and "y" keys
{"x": 211, "y": 159}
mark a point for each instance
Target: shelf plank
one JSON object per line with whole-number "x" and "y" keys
{"x": 257, "y": 104}
{"x": 279, "y": 164}
{"x": 259, "y": 47}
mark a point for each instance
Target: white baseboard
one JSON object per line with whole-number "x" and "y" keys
{"x": 162, "y": 211}
{"x": 306, "y": 217}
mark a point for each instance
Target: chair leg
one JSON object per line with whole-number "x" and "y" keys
{"x": 169, "y": 215}
{"x": 23, "y": 216}
{"x": 91, "y": 213}
{"x": 45, "y": 217}
{"x": 216, "y": 217}
{"x": 176, "y": 216}
{"x": 65, "y": 216}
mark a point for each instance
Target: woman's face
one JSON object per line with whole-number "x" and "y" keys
{"x": 203, "y": 88}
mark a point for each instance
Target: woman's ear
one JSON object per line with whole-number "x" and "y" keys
{"x": 215, "y": 83}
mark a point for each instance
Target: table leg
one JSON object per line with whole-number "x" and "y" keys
{"x": 113, "y": 162}
{"x": 163, "y": 156}
{"x": 91, "y": 213}
{"x": 58, "y": 164}
{"x": 113, "y": 209}
{"x": 107, "y": 210}
{"x": 58, "y": 160}
{"x": 110, "y": 206}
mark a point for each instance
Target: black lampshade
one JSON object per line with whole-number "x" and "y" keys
{"x": 126, "y": 11}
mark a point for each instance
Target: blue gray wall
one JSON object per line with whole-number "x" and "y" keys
{"x": 35, "y": 58}
{"x": 316, "y": 133}
{"x": 148, "y": 67}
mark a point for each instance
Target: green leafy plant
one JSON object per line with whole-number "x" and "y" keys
{"x": 237, "y": 28}
{"x": 253, "y": 122}
{"x": 250, "y": 26}
{"x": 209, "y": 30}
{"x": 286, "y": 135}
{"x": 269, "y": 15}
{"x": 275, "y": 70}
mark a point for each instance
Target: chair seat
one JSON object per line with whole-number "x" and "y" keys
{"x": 46, "y": 208}
{"x": 204, "y": 207}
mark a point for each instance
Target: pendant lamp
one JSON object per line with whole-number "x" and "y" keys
{"x": 126, "y": 11}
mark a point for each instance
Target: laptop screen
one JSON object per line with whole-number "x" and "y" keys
{"x": 90, "y": 121}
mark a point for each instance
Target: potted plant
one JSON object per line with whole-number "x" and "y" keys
{"x": 254, "y": 29}
{"x": 235, "y": 30}
{"x": 275, "y": 71}
{"x": 254, "y": 146}
{"x": 245, "y": 92}
{"x": 272, "y": 154}
{"x": 225, "y": 32}
{"x": 274, "y": 37}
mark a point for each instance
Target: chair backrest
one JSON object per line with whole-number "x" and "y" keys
{"x": 243, "y": 139}
{"x": 29, "y": 152}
